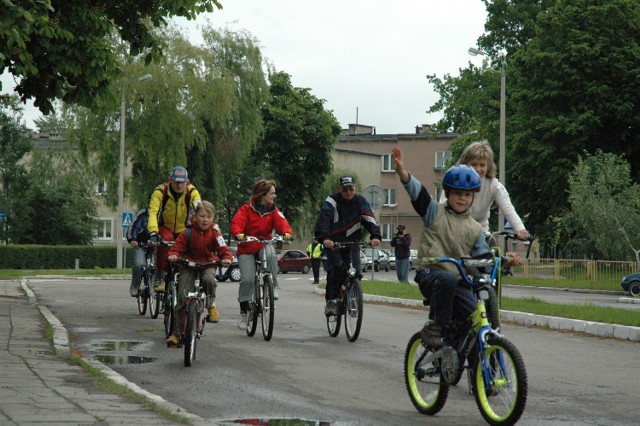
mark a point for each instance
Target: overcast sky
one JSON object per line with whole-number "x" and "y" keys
{"x": 368, "y": 59}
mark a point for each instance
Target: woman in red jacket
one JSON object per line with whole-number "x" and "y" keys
{"x": 258, "y": 217}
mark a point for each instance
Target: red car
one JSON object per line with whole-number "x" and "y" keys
{"x": 294, "y": 260}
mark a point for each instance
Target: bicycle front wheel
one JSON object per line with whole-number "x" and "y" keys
{"x": 191, "y": 332}
{"x": 143, "y": 297}
{"x": 353, "y": 310}
{"x": 268, "y": 307}
{"x": 422, "y": 376}
{"x": 333, "y": 324}
{"x": 502, "y": 399}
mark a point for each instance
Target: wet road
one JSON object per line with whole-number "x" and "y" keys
{"x": 303, "y": 373}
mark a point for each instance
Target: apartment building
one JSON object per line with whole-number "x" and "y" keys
{"x": 425, "y": 156}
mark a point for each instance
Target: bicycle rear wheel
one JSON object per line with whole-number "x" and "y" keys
{"x": 143, "y": 297}
{"x": 191, "y": 333}
{"x": 333, "y": 324}
{"x": 268, "y": 307}
{"x": 504, "y": 401}
{"x": 422, "y": 376}
{"x": 353, "y": 310}
{"x": 254, "y": 309}
{"x": 169, "y": 313}
{"x": 154, "y": 298}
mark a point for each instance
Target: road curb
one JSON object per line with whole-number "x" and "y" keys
{"x": 63, "y": 348}
{"x": 526, "y": 319}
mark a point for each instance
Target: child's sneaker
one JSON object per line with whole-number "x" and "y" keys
{"x": 173, "y": 341}
{"x": 214, "y": 315}
{"x": 432, "y": 335}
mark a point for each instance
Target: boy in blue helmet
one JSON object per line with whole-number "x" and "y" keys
{"x": 449, "y": 231}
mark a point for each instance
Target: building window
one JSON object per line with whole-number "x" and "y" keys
{"x": 390, "y": 197}
{"x": 104, "y": 228}
{"x": 101, "y": 187}
{"x": 441, "y": 159}
{"x": 387, "y": 163}
{"x": 387, "y": 231}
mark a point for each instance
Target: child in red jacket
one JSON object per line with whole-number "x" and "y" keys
{"x": 202, "y": 244}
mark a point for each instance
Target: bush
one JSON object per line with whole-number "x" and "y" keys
{"x": 15, "y": 256}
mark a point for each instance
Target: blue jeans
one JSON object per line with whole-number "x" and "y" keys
{"x": 403, "y": 266}
{"x": 449, "y": 298}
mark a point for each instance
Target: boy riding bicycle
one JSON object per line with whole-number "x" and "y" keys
{"x": 201, "y": 243}
{"x": 449, "y": 231}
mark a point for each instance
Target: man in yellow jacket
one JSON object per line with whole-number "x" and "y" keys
{"x": 314, "y": 251}
{"x": 169, "y": 214}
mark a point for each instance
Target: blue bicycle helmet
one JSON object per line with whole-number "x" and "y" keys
{"x": 462, "y": 177}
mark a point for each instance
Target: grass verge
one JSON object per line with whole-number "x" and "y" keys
{"x": 584, "y": 312}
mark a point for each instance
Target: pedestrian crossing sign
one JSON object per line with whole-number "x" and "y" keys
{"x": 127, "y": 219}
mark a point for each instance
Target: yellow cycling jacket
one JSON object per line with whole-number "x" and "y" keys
{"x": 174, "y": 214}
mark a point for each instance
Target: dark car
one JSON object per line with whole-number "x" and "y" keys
{"x": 631, "y": 283}
{"x": 294, "y": 260}
{"x": 233, "y": 272}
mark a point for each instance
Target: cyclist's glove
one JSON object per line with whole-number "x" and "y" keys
{"x": 155, "y": 238}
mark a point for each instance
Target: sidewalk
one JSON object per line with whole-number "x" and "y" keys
{"x": 38, "y": 386}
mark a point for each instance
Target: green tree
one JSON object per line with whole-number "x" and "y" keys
{"x": 604, "y": 210}
{"x": 201, "y": 110}
{"x": 61, "y": 49}
{"x": 55, "y": 204}
{"x": 573, "y": 87}
{"x": 297, "y": 144}
{"x": 14, "y": 146}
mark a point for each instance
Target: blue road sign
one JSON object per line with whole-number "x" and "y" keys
{"x": 3, "y": 215}
{"x": 127, "y": 219}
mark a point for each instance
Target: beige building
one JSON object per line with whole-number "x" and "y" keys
{"x": 425, "y": 155}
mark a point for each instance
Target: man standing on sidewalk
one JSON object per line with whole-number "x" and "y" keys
{"x": 402, "y": 244}
{"x": 314, "y": 251}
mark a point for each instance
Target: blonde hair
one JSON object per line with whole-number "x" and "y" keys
{"x": 479, "y": 151}
{"x": 261, "y": 188}
{"x": 206, "y": 205}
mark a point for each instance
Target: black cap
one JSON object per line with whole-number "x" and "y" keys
{"x": 402, "y": 227}
{"x": 347, "y": 180}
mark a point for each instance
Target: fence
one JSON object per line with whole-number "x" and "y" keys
{"x": 576, "y": 269}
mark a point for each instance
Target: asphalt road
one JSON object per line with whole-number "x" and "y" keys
{"x": 302, "y": 373}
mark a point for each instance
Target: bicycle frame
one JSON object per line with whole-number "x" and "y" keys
{"x": 263, "y": 303}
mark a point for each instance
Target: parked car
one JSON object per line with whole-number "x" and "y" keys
{"x": 294, "y": 260}
{"x": 392, "y": 257}
{"x": 364, "y": 261}
{"x": 378, "y": 258}
{"x": 631, "y": 283}
{"x": 413, "y": 259}
{"x": 233, "y": 272}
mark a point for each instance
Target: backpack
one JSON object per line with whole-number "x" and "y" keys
{"x": 138, "y": 229}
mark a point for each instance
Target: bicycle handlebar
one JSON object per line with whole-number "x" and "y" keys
{"x": 512, "y": 236}
{"x": 337, "y": 245}
{"x": 277, "y": 238}
{"x": 196, "y": 265}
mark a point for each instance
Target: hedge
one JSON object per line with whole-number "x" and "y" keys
{"x": 15, "y": 256}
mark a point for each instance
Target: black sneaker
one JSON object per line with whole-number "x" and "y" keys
{"x": 432, "y": 335}
{"x": 331, "y": 308}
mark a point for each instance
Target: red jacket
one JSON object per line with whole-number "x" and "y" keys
{"x": 251, "y": 222}
{"x": 203, "y": 246}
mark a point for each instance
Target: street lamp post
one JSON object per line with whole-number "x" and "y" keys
{"x": 119, "y": 227}
{"x": 501, "y": 175}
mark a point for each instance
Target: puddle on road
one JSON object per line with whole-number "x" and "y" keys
{"x": 119, "y": 349}
{"x": 123, "y": 359}
{"x": 275, "y": 422}
{"x": 117, "y": 345}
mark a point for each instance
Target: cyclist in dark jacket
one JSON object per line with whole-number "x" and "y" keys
{"x": 341, "y": 219}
